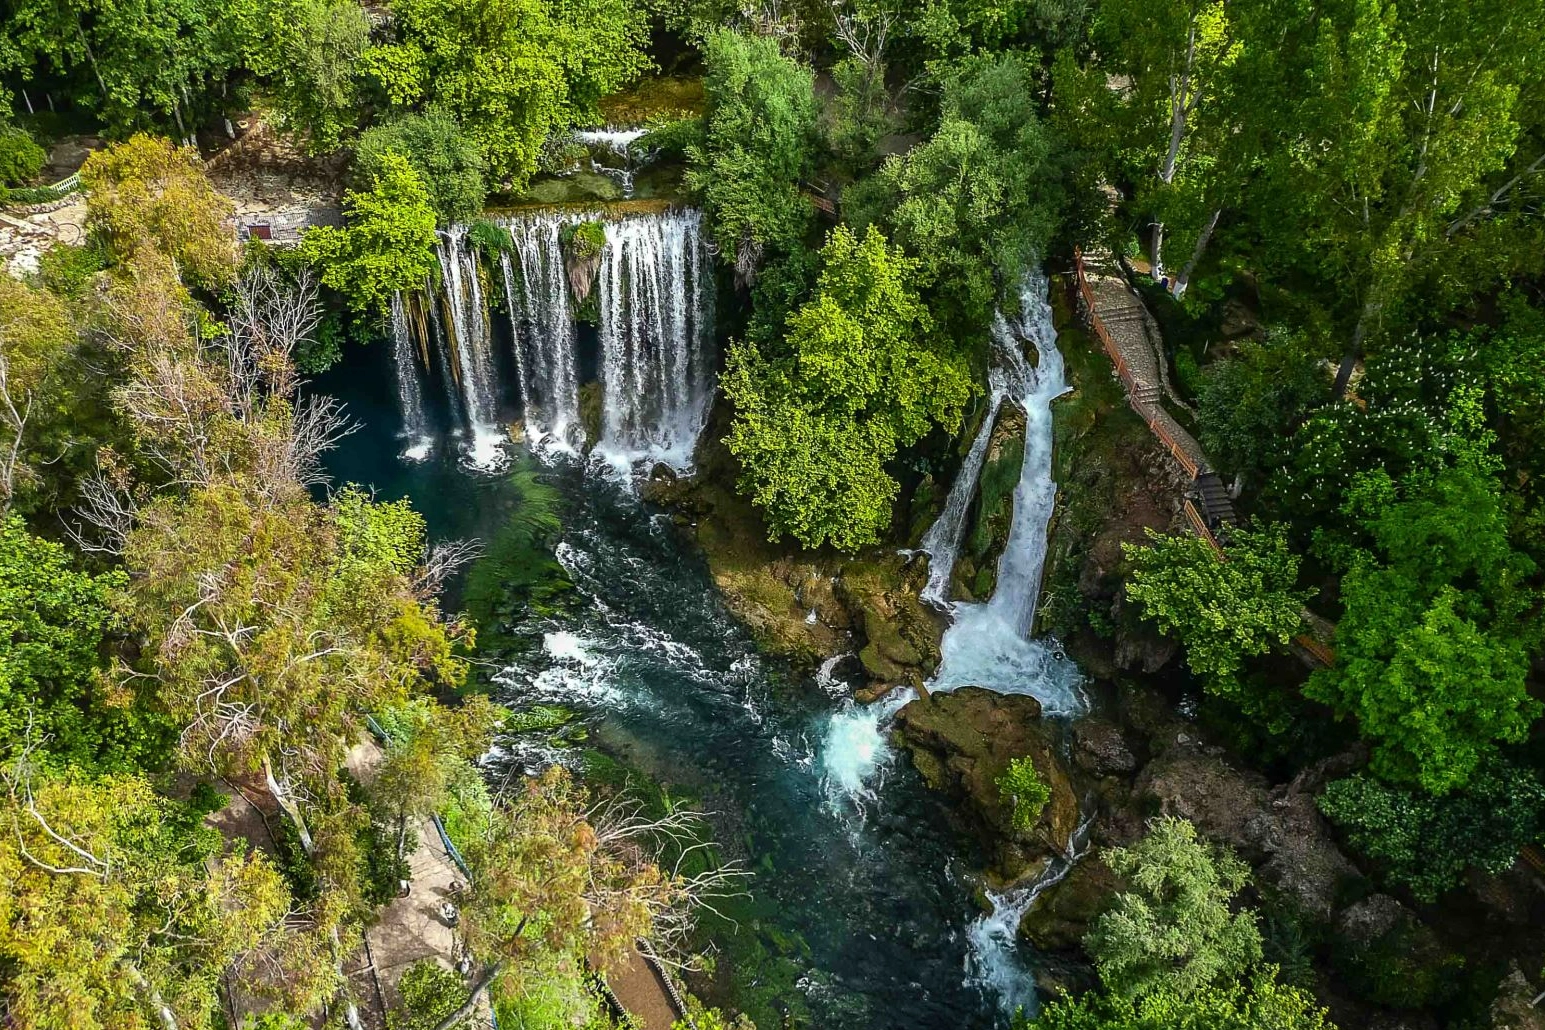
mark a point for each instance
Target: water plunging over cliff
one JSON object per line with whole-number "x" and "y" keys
{"x": 654, "y": 297}
{"x": 410, "y": 387}
{"x": 471, "y": 347}
{"x": 988, "y": 645}
{"x": 656, "y": 317}
{"x": 537, "y": 294}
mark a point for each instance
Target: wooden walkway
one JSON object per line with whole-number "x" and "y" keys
{"x": 1129, "y": 335}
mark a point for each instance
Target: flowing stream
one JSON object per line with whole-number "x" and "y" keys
{"x": 860, "y": 913}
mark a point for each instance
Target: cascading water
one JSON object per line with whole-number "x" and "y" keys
{"x": 942, "y": 541}
{"x": 618, "y": 142}
{"x": 543, "y": 328}
{"x": 656, "y": 331}
{"x": 988, "y": 645}
{"x": 655, "y": 299}
{"x": 410, "y": 387}
{"x": 472, "y": 347}
{"x": 994, "y": 937}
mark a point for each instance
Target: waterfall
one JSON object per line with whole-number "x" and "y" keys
{"x": 655, "y": 301}
{"x": 994, "y": 938}
{"x": 988, "y": 645}
{"x": 656, "y": 331}
{"x": 854, "y": 748}
{"x": 410, "y": 388}
{"x": 619, "y": 143}
{"x": 942, "y": 541}
{"x": 545, "y": 341}
{"x": 470, "y": 343}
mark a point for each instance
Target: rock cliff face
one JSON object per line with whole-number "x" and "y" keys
{"x": 963, "y": 741}
{"x": 805, "y": 606}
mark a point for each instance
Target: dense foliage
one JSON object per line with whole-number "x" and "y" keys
{"x": 859, "y": 373}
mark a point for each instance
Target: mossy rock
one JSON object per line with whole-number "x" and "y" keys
{"x": 590, "y": 412}
{"x": 1062, "y": 914}
{"x": 902, "y": 635}
{"x": 963, "y": 741}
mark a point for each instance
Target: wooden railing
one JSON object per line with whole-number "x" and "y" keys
{"x": 1141, "y": 397}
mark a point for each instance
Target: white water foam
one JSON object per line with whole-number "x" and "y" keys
{"x": 988, "y": 645}
{"x": 854, "y": 748}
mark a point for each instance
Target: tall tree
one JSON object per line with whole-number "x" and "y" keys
{"x": 758, "y": 146}
{"x": 1171, "y": 930}
{"x": 514, "y": 71}
{"x": 859, "y": 373}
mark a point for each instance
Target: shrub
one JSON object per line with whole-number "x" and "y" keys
{"x": 21, "y": 159}
{"x": 584, "y": 240}
{"x": 1023, "y": 789}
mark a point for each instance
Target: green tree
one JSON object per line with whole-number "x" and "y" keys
{"x": 858, "y": 375}
{"x": 146, "y": 192}
{"x": 1432, "y": 651}
{"x": 20, "y": 156}
{"x": 1224, "y": 608}
{"x": 317, "y": 87}
{"x": 1252, "y": 403}
{"x": 447, "y": 162}
{"x": 1171, "y": 931}
{"x": 53, "y": 620}
{"x": 758, "y": 146}
{"x": 978, "y": 202}
{"x": 387, "y": 241}
{"x": 37, "y": 335}
{"x": 1426, "y": 843}
{"x": 118, "y": 910}
{"x": 513, "y": 71}
{"x": 1261, "y": 1003}
{"x": 1022, "y": 788}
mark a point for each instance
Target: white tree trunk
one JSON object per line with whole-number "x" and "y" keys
{"x": 1178, "y": 289}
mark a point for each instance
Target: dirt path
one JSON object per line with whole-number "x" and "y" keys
{"x": 638, "y": 987}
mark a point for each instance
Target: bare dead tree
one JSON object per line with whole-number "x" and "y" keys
{"x": 441, "y": 562}
{"x": 15, "y": 410}
{"x": 105, "y": 516}
{"x": 865, "y": 34}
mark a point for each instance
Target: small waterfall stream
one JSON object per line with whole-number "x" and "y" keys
{"x": 410, "y": 388}
{"x": 654, "y": 297}
{"x": 988, "y": 645}
{"x": 942, "y": 541}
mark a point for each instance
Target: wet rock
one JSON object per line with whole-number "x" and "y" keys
{"x": 1061, "y": 915}
{"x": 1100, "y": 747}
{"x": 1514, "y": 1008}
{"x": 901, "y": 634}
{"x": 963, "y": 741}
{"x": 582, "y": 269}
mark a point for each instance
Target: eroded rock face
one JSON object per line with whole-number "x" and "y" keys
{"x": 1279, "y": 831}
{"x": 582, "y": 274}
{"x": 1513, "y": 1009}
{"x": 964, "y": 740}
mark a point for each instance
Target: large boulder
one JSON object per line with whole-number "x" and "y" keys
{"x": 1060, "y": 917}
{"x": 1279, "y": 831}
{"x": 963, "y": 741}
{"x": 900, "y": 634}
